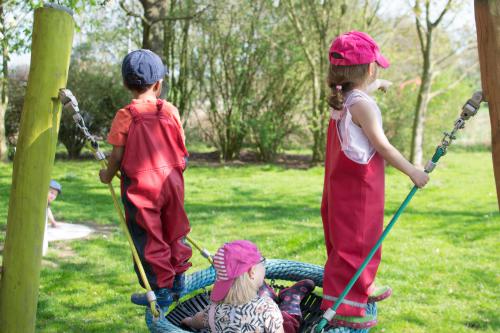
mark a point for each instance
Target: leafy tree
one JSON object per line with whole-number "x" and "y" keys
{"x": 314, "y": 24}
{"x": 15, "y": 34}
{"x": 427, "y": 27}
{"x": 100, "y": 93}
{"x": 234, "y": 51}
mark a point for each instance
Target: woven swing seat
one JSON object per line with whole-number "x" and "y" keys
{"x": 276, "y": 269}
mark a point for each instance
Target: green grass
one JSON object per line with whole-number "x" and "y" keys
{"x": 441, "y": 258}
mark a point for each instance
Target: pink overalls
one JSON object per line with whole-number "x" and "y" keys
{"x": 152, "y": 186}
{"x": 352, "y": 210}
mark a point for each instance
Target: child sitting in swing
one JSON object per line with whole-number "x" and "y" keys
{"x": 242, "y": 302}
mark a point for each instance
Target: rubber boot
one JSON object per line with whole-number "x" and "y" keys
{"x": 178, "y": 286}
{"x": 379, "y": 294}
{"x": 266, "y": 290}
{"x": 354, "y": 322}
{"x": 291, "y": 297}
{"x": 163, "y": 298}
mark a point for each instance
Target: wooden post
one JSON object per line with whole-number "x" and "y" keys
{"x": 50, "y": 54}
{"x": 488, "y": 42}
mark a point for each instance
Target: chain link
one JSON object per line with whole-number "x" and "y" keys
{"x": 469, "y": 109}
{"x": 80, "y": 123}
{"x": 69, "y": 102}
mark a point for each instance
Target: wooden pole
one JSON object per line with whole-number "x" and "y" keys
{"x": 488, "y": 42}
{"x": 50, "y": 54}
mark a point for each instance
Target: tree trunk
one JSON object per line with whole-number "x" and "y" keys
{"x": 22, "y": 255}
{"x": 4, "y": 85}
{"x": 323, "y": 114}
{"x": 315, "y": 121}
{"x": 419, "y": 121}
{"x": 184, "y": 69}
{"x": 3, "y": 140}
{"x": 488, "y": 38}
{"x": 178, "y": 83}
{"x": 74, "y": 152}
{"x": 417, "y": 140}
{"x": 152, "y": 36}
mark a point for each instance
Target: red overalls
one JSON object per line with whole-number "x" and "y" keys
{"x": 152, "y": 187}
{"x": 352, "y": 210}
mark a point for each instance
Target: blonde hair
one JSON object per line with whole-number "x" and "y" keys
{"x": 348, "y": 77}
{"x": 243, "y": 290}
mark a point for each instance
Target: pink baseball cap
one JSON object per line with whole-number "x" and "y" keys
{"x": 355, "y": 48}
{"x": 230, "y": 261}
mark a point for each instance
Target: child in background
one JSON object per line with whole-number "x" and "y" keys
{"x": 54, "y": 190}
{"x": 240, "y": 301}
{"x": 353, "y": 197}
{"x": 148, "y": 148}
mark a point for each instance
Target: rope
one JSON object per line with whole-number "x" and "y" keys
{"x": 204, "y": 252}
{"x": 69, "y": 102}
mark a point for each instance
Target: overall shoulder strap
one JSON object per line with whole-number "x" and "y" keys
{"x": 159, "y": 105}
{"x": 136, "y": 116}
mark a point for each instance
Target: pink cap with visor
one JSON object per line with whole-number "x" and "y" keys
{"x": 355, "y": 48}
{"x": 230, "y": 261}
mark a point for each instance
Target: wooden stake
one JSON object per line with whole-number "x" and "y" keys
{"x": 488, "y": 42}
{"x": 50, "y": 55}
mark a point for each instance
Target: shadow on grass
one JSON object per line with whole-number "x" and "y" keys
{"x": 454, "y": 225}
{"x": 248, "y": 213}
{"x": 484, "y": 320}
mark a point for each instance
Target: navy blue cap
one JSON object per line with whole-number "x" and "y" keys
{"x": 142, "y": 67}
{"x": 56, "y": 186}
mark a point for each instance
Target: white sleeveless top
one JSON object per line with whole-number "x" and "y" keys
{"x": 354, "y": 142}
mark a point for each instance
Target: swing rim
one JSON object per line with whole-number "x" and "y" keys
{"x": 276, "y": 269}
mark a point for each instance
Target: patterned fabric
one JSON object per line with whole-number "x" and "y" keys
{"x": 260, "y": 315}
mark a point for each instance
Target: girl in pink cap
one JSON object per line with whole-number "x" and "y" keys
{"x": 242, "y": 302}
{"x": 352, "y": 208}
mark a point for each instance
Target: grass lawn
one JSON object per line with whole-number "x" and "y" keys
{"x": 441, "y": 258}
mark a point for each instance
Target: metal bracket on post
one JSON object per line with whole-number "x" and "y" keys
{"x": 70, "y": 103}
{"x": 471, "y": 107}
{"x": 469, "y": 110}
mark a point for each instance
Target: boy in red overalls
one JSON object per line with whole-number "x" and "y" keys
{"x": 148, "y": 148}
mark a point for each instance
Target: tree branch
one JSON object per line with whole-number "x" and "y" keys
{"x": 133, "y": 14}
{"x": 438, "y": 20}
{"x": 428, "y": 15}
{"x": 419, "y": 31}
{"x": 159, "y": 19}
{"x": 454, "y": 84}
{"x": 374, "y": 13}
{"x": 312, "y": 7}
{"x": 185, "y": 17}
{"x": 300, "y": 33}
{"x": 453, "y": 52}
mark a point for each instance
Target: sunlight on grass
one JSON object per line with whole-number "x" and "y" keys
{"x": 441, "y": 258}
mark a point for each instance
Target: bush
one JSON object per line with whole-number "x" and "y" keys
{"x": 17, "y": 90}
{"x": 100, "y": 93}
{"x": 275, "y": 119}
